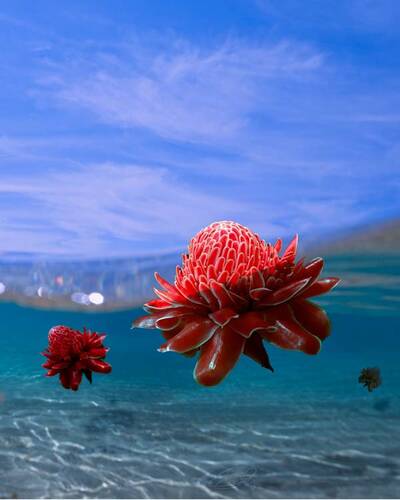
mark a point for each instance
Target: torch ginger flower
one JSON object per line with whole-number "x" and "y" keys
{"x": 232, "y": 292}
{"x": 71, "y": 353}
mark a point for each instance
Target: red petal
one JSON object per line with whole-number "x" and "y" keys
{"x": 191, "y": 336}
{"x": 291, "y": 250}
{"x": 157, "y": 305}
{"x": 59, "y": 366}
{"x": 76, "y": 378}
{"x": 218, "y": 356}
{"x": 319, "y": 287}
{"x": 147, "y": 321}
{"x": 221, "y": 294}
{"x": 312, "y": 270}
{"x": 234, "y": 278}
{"x": 254, "y": 349}
{"x": 168, "y": 323}
{"x": 65, "y": 379}
{"x": 238, "y": 299}
{"x": 283, "y": 294}
{"x": 172, "y": 291}
{"x": 173, "y": 299}
{"x": 187, "y": 290}
{"x": 291, "y": 335}
{"x": 208, "y": 296}
{"x": 190, "y": 354}
{"x": 211, "y": 272}
{"x": 223, "y": 316}
{"x": 170, "y": 334}
{"x": 97, "y": 340}
{"x": 97, "y": 365}
{"x": 249, "y": 322}
{"x": 173, "y": 313}
{"x": 256, "y": 279}
{"x": 98, "y": 352}
{"x": 259, "y": 293}
{"x": 299, "y": 266}
{"x": 181, "y": 301}
{"x": 312, "y": 317}
{"x": 185, "y": 320}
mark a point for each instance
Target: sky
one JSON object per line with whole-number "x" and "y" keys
{"x": 126, "y": 127}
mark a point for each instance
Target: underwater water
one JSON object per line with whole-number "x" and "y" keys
{"x": 147, "y": 430}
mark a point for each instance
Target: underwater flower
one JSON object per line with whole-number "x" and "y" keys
{"x": 370, "y": 378}
{"x": 71, "y": 353}
{"x": 232, "y": 292}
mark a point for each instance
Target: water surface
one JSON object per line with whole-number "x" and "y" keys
{"x": 147, "y": 430}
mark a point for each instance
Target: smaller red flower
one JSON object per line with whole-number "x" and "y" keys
{"x": 72, "y": 353}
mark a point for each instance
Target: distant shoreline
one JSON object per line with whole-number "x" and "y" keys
{"x": 375, "y": 239}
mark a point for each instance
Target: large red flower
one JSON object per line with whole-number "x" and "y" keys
{"x": 232, "y": 292}
{"x": 71, "y": 353}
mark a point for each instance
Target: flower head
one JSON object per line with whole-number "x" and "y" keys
{"x": 71, "y": 353}
{"x": 233, "y": 291}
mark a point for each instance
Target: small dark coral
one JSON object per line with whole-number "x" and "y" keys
{"x": 370, "y": 378}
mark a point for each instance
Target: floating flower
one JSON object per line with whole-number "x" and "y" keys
{"x": 72, "y": 353}
{"x": 232, "y": 292}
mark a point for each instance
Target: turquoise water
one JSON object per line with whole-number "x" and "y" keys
{"x": 147, "y": 430}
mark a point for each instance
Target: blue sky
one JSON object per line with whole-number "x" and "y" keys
{"x": 125, "y": 127}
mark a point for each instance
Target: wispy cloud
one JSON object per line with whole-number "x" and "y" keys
{"x": 184, "y": 93}
{"x": 106, "y": 210}
{"x": 114, "y": 209}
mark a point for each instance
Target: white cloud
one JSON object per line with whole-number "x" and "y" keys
{"x": 183, "y": 93}
{"x": 87, "y": 210}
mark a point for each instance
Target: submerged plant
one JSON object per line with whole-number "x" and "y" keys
{"x": 370, "y": 378}
{"x": 71, "y": 354}
{"x": 232, "y": 292}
